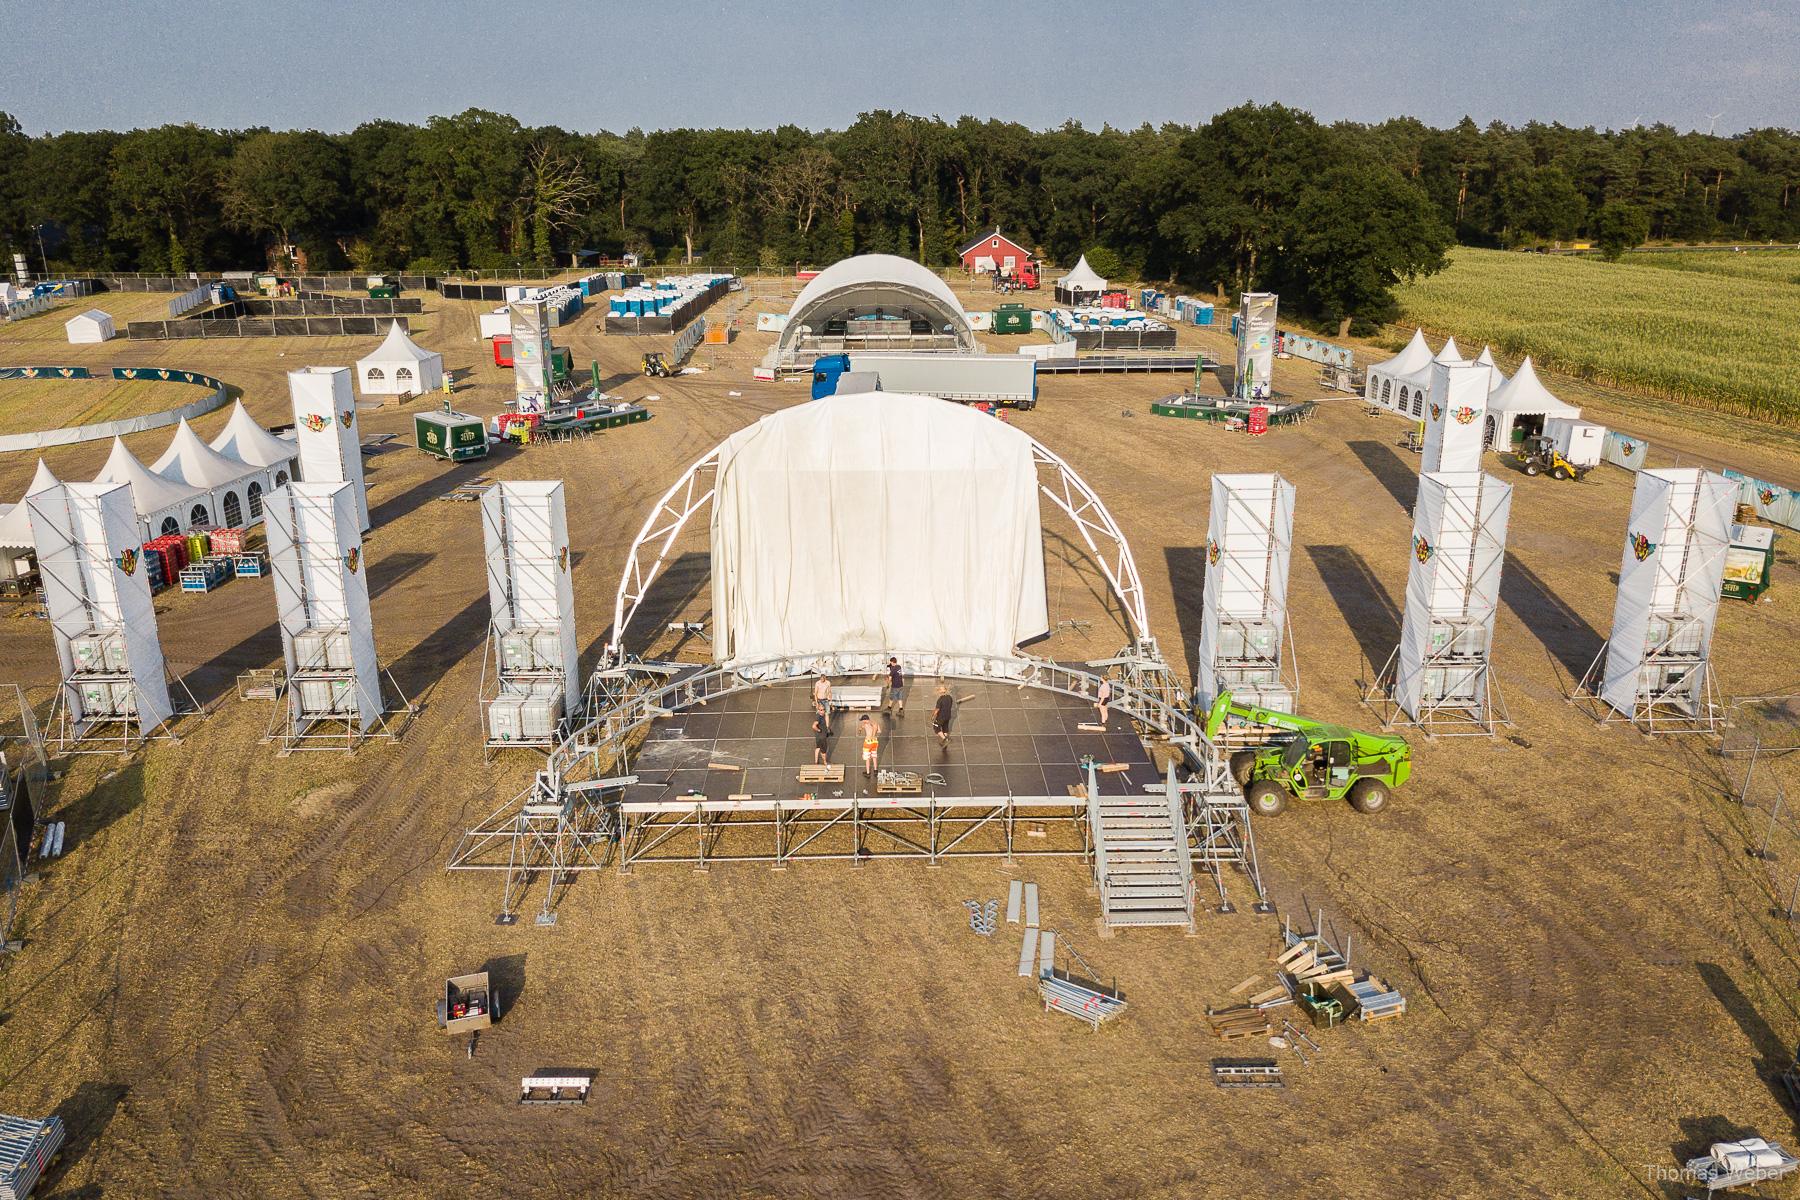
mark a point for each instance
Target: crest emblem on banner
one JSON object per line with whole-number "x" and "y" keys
{"x": 1213, "y": 554}
{"x": 347, "y": 416}
{"x": 163, "y": 375}
{"x": 128, "y": 561}
{"x": 1464, "y": 415}
{"x": 1766, "y": 495}
{"x": 66, "y": 372}
{"x": 1422, "y": 549}
{"x": 352, "y": 558}
{"x": 31, "y": 372}
{"x": 1629, "y": 448}
{"x": 1437, "y": 412}
{"x": 1641, "y": 546}
{"x": 562, "y": 559}
{"x": 315, "y": 422}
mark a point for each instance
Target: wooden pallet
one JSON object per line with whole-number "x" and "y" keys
{"x": 898, "y": 783}
{"x": 1232, "y": 1024}
{"x": 829, "y": 773}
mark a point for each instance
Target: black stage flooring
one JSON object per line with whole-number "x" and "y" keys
{"x": 1004, "y": 740}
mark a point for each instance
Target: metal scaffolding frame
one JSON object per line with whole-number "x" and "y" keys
{"x": 567, "y": 820}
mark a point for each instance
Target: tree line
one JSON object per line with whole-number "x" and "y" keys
{"x": 1260, "y": 196}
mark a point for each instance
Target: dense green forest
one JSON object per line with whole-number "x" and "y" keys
{"x": 1331, "y": 216}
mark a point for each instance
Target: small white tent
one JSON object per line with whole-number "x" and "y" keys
{"x": 228, "y": 480}
{"x": 15, "y": 522}
{"x": 90, "y": 326}
{"x": 1496, "y": 377}
{"x": 1383, "y": 381}
{"x": 399, "y": 367}
{"x": 163, "y": 505}
{"x": 1521, "y": 407}
{"x": 1079, "y": 285}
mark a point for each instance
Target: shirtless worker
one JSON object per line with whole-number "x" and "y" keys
{"x": 822, "y": 695}
{"x": 871, "y": 745}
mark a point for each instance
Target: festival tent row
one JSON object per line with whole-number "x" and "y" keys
{"x": 192, "y": 485}
{"x": 1516, "y": 406}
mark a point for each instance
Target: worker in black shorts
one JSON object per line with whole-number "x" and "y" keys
{"x": 821, "y": 734}
{"x": 941, "y": 713}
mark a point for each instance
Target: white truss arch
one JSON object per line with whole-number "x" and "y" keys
{"x": 1058, "y": 481}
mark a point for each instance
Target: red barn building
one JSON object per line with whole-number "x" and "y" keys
{"x": 994, "y": 253}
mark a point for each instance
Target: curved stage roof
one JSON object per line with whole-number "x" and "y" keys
{"x": 877, "y": 285}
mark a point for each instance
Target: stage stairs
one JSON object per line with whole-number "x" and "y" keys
{"x": 1141, "y": 860}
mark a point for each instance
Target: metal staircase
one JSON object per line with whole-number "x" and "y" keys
{"x": 1141, "y": 860}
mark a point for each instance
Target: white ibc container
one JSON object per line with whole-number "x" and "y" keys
{"x": 96, "y": 698}
{"x": 309, "y": 651}
{"x": 515, "y": 651}
{"x": 315, "y": 697}
{"x": 124, "y": 699}
{"x": 539, "y": 716}
{"x": 88, "y": 653}
{"x": 547, "y": 647}
{"x": 505, "y": 719}
{"x": 337, "y": 650}
{"x": 112, "y": 646}
{"x": 1276, "y": 697}
{"x": 1450, "y": 685}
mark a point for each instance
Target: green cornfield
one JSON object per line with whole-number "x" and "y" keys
{"x": 1712, "y": 328}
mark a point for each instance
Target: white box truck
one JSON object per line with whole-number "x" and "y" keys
{"x": 1001, "y": 379}
{"x": 1578, "y": 441}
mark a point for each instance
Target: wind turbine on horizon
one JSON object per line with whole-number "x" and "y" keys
{"x": 1712, "y": 123}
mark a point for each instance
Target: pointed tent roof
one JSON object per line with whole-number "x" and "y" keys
{"x": 1416, "y": 355}
{"x": 191, "y": 461}
{"x": 397, "y": 347}
{"x": 1082, "y": 278}
{"x": 1486, "y": 359}
{"x": 1524, "y": 393}
{"x": 15, "y": 519}
{"x": 245, "y": 440}
{"x": 150, "y": 492}
{"x": 1449, "y": 354}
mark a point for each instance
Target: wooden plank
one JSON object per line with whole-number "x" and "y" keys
{"x": 1090, "y": 727}
{"x": 1046, "y": 952}
{"x": 719, "y": 766}
{"x": 1015, "y": 892}
{"x": 1027, "y": 951}
{"x": 1245, "y": 986}
{"x": 1273, "y": 993}
{"x": 1114, "y": 768}
{"x": 1031, "y": 906}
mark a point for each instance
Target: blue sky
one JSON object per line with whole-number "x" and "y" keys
{"x": 331, "y": 64}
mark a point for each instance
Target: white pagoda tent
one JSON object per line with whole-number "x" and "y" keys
{"x": 1080, "y": 286}
{"x": 245, "y": 440}
{"x": 1496, "y": 377}
{"x": 15, "y": 522}
{"x": 227, "y": 481}
{"x": 163, "y": 505}
{"x": 399, "y": 367}
{"x": 1521, "y": 406}
{"x": 1382, "y": 384}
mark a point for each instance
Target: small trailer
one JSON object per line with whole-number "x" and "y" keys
{"x": 1749, "y": 562}
{"x": 450, "y": 435}
{"x": 468, "y": 1006}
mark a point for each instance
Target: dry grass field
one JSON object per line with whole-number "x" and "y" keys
{"x": 227, "y": 983}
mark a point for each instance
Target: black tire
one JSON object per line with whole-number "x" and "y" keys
{"x": 1369, "y": 795}
{"x": 1267, "y": 798}
{"x": 1531, "y": 468}
{"x": 1561, "y": 473}
{"x": 1242, "y": 763}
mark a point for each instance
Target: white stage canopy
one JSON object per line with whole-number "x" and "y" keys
{"x": 872, "y": 524}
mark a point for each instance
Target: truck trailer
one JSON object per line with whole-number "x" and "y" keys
{"x": 1001, "y": 379}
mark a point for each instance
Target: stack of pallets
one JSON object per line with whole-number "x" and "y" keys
{"x": 1374, "y": 1000}
{"x": 1233, "y": 1024}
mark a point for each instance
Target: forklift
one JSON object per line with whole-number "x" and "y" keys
{"x": 1538, "y": 455}
{"x": 656, "y": 365}
{"x": 1311, "y": 760}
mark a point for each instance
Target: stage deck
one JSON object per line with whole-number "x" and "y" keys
{"x": 1005, "y": 740}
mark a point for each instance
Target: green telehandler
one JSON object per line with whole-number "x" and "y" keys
{"x": 1311, "y": 760}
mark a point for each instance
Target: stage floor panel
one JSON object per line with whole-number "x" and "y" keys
{"x": 1004, "y": 740}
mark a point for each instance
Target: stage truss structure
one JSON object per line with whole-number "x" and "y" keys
{"x": 573, "y": 819}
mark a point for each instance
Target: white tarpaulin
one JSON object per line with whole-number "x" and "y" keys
{"x": 327, "y": 441}
{"x": 316, "y": 558}
{"x": 874, "y": 524}
{"x": 1453, "y": 421}
{"x": 1249, "y": 537}
{"x": 526, "y": 530}
{"x": 1669, "y": 581}
{"x": 1452, "y": 592}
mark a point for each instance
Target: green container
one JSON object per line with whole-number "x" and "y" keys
{"x": 1012, "y": 318}
{"x": 199, "y": 546}
{"x": 386, "y": 291}
{"x": 561, "y": 363}
{"x": 453, "y": 436}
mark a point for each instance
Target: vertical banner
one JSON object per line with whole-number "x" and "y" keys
{"x": 531, "y": 355}
{"x": 1256, "y": 344}
{"x": 325, "y": 431}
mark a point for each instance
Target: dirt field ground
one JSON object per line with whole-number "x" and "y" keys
{"x": 227, "y": 983}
